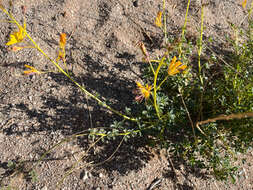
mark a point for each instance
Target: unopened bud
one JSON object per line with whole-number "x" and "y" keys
{"x": 23, "y": 7}
{"x": 1, "y": 5}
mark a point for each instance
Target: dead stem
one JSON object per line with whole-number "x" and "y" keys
{"x": 188, "y": 114}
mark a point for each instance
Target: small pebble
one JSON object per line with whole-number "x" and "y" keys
{"x": 44, "y": 188}
{"x": 2, "y": 171}
{"x": 135, "y": 3}
{"x": 85, "y": 176}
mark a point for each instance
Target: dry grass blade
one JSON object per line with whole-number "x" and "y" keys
{"x": 226, "y": 117}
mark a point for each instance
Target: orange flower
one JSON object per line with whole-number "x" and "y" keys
{"x": 158, "y": 19}
{"x": 142, "y": 92}
{"x": 62, "y": 43}
{"x": 63, "y": 39}
{"x": 31, "y": 71}
{"x": 175, "y": 67}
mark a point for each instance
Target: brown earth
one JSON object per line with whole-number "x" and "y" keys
{"x": 38, "y": 111}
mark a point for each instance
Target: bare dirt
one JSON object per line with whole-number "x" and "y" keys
{"x": 38, "y": 111}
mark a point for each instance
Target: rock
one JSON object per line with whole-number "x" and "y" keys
{"x": 101, "y": 175}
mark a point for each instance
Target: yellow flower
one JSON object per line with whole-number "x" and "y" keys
{"x": 31, "y": 71}
{"x": 142, "y": 92}
{"x": 17, "y": 37}
{"x": 158, "y": 19}
{"x": 175, "y": 67}
{"x": 244, "y": 3}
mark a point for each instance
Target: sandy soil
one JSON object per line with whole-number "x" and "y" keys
{"x": 40, "y": 110}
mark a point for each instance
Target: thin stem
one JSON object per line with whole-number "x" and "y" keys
{"x": 7, "y": 21}
{"x": 165, "y": 23}
{"x": 151, "y": 66}
{"x": 155, "y": 89}
{"x": 162, "y": 82}
{"x": 188, "y": 114}
{"x": 184, "y": 28}
{"x": 250, "y": 21}
{"x": 200, "y": 47}
{"x": 155, "y": 61}
{"x": 250, "y": 10}
{"x": 200, "y": 43}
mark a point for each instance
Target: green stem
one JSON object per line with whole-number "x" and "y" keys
{"x": 155, "y": 89}
{"x": 162, "y": 82}
{"x": 200, "y": 43}
{"x": 184, "y": 28}
{"x": 199, "y": 56}
{"x": 151, "y": 66}
{"x": 250, "y": 21}
{"x": 165, "y": 23}
{"x": 250, "y": 10}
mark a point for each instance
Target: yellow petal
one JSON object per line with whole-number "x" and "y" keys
{"x": 182, "y": 67}
{"x": 148, "y": 87}
{"x": 13, "y": 39}
{"x": 24, "y": 26}
{"x": 244, "y": 3}
{"x": 158, "y": 20}
{"x": 146, "y": 92}
{"x": 62, "y": 43}
{"x": 172, "y": 62}
{"x": 63, "y": 39}
{"x": 28, "y": 66}
{"x": 176, "y": 67}
{"x": 17, "y": 37}
{"x": 61, "y": 56}
{"x": 28, "y": 72}
{"x": 139, "y": 85}
{"x": 173, "y": 72}
{"x": 32, "y": 70}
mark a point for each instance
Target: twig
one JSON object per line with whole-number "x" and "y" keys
{"x": 154, "y": 183}
{"x": 188, "y": 114}
{"x": 224, "y": 117}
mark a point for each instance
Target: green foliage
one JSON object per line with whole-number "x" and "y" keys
{"x": 219, "y": 87}
{"x": 33, "y": 176}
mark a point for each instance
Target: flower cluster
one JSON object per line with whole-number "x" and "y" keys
{"x": 17, "y": 37}
{"x": 142, "y": 92}
{"x": 176, "y": 66}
